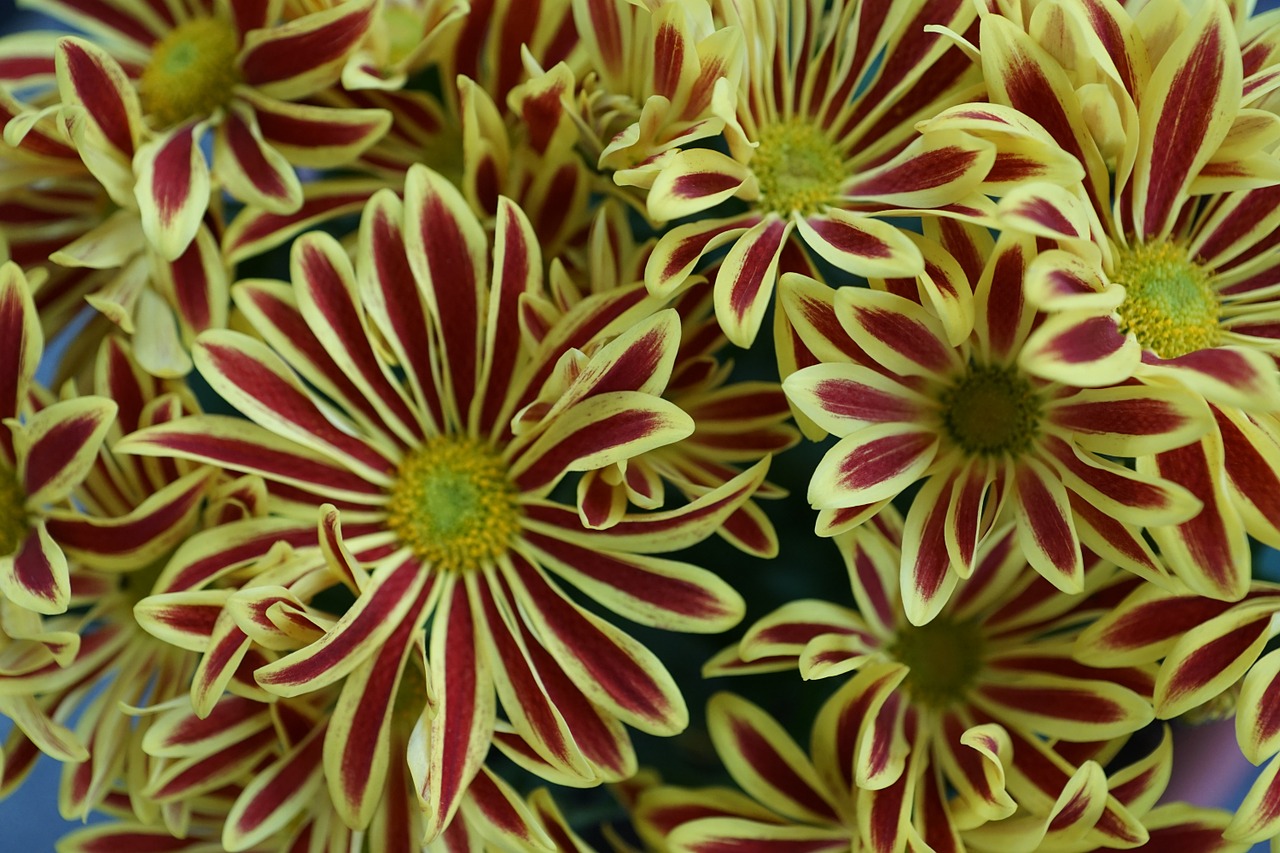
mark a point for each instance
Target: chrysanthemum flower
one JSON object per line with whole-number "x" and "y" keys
{"x": 914, "y": 400}
{"x": 823, "y": 139}
{"x": 660, "y": 76}
{"x": 185, "y": 68}
{"x": 104, "y": 257}
{"x": 445, "y": 505}
{"x": 43, "y": 456}
{"x": 1208, "y": 651}
{"x": 1167, "y": 251}
{"x": 984, "y": 701}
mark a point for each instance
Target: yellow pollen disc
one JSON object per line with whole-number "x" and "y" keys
{"x": 797, "y": 166}
{"x": 453, "y": 504}
{"x": 1170, "y": 304}
{"x": 13, "y": 512}
{"x": 991, "y": 410}
{"x": 944, "y": 657}
{"x": 192, "y": 71}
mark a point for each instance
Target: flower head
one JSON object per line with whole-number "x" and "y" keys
{"x": 446, "y": 515}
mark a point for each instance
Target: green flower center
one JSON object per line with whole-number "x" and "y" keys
{"x": 453, "y": 504}
{"x": 991, "y": 410}
{"x": 944, "y": 657}
{"x": 13, "y": 512}
{"x": 797, "y": 166}
{"x": 1170, "y": 304}
{"x": 192, "y": 71}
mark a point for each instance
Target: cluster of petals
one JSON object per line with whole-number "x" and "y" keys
{"x": 385, "y": 418}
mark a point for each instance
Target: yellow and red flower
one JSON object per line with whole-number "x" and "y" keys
{"x": 948, "y": 726}
{"x": 445, "y": 504}
{"x": 174, "y": 71}
{"x": 822, "y": 141}
{"x": 914, "y": 399}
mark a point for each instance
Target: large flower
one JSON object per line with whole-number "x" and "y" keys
{"x": 915, "y": 397}
{"x": 183, "y": 68}
{"x": 446, "y": 506}
{"x": 821, "y": 141}
{"x": 953, "y": 724}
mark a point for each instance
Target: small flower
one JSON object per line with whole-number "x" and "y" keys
{"x": 952, "y": 724}
{"x": 822, "y": 141}
{"x": 915, "y": 398}
{"x": 168, "y": 76}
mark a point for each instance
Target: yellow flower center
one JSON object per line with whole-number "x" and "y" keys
{"x": 13, "y": 512}
{"x": 797, "y": 166}
{"x": 192, "y": 71}
{"x": 944, "y": 657}
{"x": 991, "y": 410}
{"x": 453, "y": 504}
{"x": 1170, "y": 304}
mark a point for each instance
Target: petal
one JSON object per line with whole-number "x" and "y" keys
{"x": 933, "y": 170}
{"x": 297, "y": 58}
{"x": 874, "y": 463}
{"x": 358, "y": 745}
{"x": 276, "y": 795}
{"x": 860, "y": 245}
{"x": 1073, "y": 709}
{"x": 1081, "y": 349}
{"x": 1232, "y": 376}
{"x": 1258, "y": 711}
{"x": 447, "y": 251}
{"x": 463, "y": 720}
{"x": 1130, "y": 420}
{"x": 598, "y": 432}
{"x": 1210, "y": 552}
{"x": 21, "y": 342}
{"x": 766, "y": 762}
{"x": 1046, "y": 530}
{"x": 1185, "y": 99}
{"x": 315, "y": 136}
{"x": 173, "y": 189}
{"x": 36, "y": 577}
{"x": 745, "y": 280}
{"x": 896, "y": 332}
{"x": 610, "y": 667}
{"x": 679, "y": 250}
{"x": 358, "y": 635}
{"x": 90, "y": 79}
{"x": 1212, "y": 656}
{"x": 254, "y": 172}
{"x": 261, "y": 385}
{"x": 658, "y": 593}
{"x": 710, "y": 835}
{"x": 58, "y": 446}
{"x": 693, "y": 181}
{"x": 842, "y": 398}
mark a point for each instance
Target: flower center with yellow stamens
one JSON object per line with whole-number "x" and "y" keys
{"x": 1170, "y": 304}
{"x": 453, "y": 504}
{"x": 944, "y": 657}
{"x": 797, "y": 166}
{"x": 13, "y": 512}
{"x": 991, "y": 410}
{"x": 192, "y": 71}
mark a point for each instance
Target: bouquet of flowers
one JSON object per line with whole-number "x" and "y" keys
{"x": 427, "y": 386}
